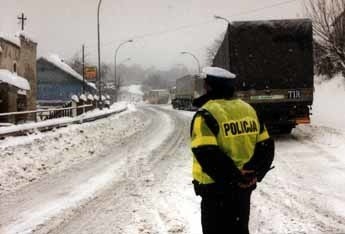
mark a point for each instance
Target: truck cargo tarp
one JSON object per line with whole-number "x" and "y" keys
{"x": 271, "y": 54}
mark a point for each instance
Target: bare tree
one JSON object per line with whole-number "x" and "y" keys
{"x": 155, "y": 81}
{"x": 329, "y": 30}
{"x": 211, "y": 51}
{"x": 76, "y": 63}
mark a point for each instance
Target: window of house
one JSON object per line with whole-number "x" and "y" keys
{"x": 1, "y": 50}
{"x": 15, "y": 67}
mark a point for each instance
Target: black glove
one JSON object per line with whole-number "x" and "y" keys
{"x": 262, "y": 159}
{"x": 248, "y": 179}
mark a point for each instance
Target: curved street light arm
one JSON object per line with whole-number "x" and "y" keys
{"x": 196, "y": 59}
{"x": 116, "y": 51}
{"x": 222, "y": 18}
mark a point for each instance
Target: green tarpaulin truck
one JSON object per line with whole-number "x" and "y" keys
{"x": 273, "y": 61}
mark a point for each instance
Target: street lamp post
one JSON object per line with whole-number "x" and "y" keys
{"x": 196, "y": 59}
{"x": 99, "y": 77}
{"x": 119, "y": 81}
{"x": 116, "y": 83}
{"x": 116, "y": 51}
{"x": 121, "y": 62}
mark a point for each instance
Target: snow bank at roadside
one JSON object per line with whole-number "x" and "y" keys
{"x": 26, "y": 159}
{"x": 328, "y": 119}
{"x": 329, "y": 103}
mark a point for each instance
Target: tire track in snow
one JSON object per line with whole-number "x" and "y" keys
{"x": 116, "y": 209}
{"x": 298, "y": 192}
{"x": 103, "y": 172}
{"x": 156, "y": 217}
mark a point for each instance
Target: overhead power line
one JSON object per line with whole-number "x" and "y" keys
{"x": 264, "y": 8}
{"x": 188, "y": 26}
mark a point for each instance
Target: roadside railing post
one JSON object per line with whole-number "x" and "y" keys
{"x": 74, "y": 110}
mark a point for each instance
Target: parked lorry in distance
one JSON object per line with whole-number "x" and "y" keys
{"x": 157, "y": 96}
{"x": 187, "y": 88}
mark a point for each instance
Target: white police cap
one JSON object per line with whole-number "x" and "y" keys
{"x": 217, "y": 72}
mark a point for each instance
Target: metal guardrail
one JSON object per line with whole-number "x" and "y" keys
{"x": 67, "y": 111}
{"x": 46, "y": 126}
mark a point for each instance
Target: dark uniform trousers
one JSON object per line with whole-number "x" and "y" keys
{"x": 226, "y": 213}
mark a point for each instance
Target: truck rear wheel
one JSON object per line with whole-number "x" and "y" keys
{"x": 286, "y": 129}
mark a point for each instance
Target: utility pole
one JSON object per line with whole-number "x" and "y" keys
{"x": 99, "y": 75}
{"x": 83, "y": 58}
{"x": 22, "y": 19}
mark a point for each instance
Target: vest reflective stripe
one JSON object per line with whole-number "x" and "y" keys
{"x": 202, "y": 135}
{"x": 204, "y": 140}
{"x": 239, "y": 131}
{"x": 197, "y": 126}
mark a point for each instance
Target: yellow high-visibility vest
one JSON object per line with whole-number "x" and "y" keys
{"x": 239, "y": 131}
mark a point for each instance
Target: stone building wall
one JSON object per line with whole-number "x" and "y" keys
{"x": 19, "y": 57}
{"x": 27, "y": 69}
{"x": 8, "y": 102}
{"x": 10, "y": 54}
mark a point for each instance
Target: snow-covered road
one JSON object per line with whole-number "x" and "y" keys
{"x": 125, "y": 152}
{"x": 131, "y": 174}
{"x": 305, "y": 192}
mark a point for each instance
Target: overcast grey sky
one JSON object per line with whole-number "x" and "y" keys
{"x": 62, "y": 26}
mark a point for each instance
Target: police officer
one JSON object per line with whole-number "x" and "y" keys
{"x": 232, "y": 151}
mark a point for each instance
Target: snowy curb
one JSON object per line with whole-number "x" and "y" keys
{"x": 61, "y": 122}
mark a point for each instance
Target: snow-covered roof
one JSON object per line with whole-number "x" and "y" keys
{"x": 10, "y": 38}
{"x": 58, "y": 62}
{"x": 13, "y": 79}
